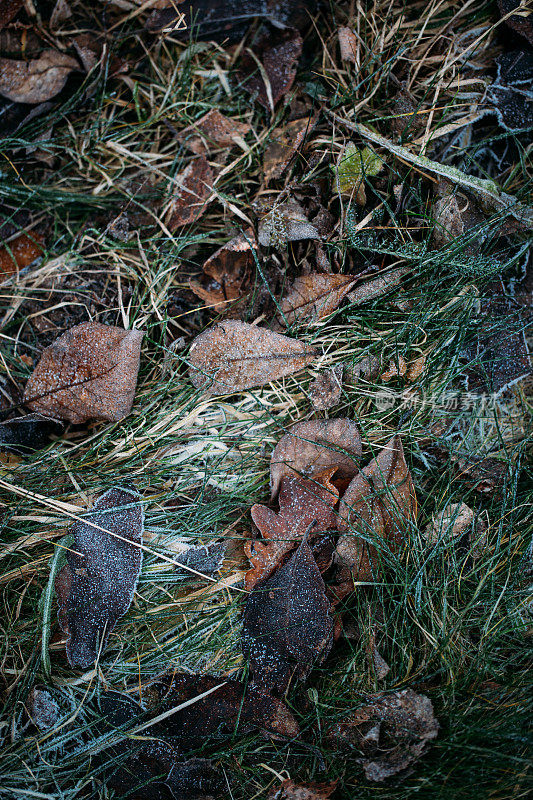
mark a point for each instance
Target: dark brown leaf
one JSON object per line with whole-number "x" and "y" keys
{"x": 314, "y": 446}
{"x": 38, "y": 80}
{"x": 32, "y": 432}
{"x": 326, "y": 389}
{"x": 90, "y": 372}
{"x": 190, "y": 197}
{"x": 228, "y": 274}
{"x": 96, "y": 586}
{"x": 455, "y": 215}
{"x": 19, "y": 253}
{"x": 312, "y": 297}
{"x": 288, "y": 624}
{"x": 377, "y": 286}
{"x": 289, "y": 790}
{"x": 212, "y": 131}
{"x": 521, "y": 23}
{"x": 279, "y": 53}
{"x": 8, "y": 11}
{"x": 392, "y": 732}
{"x": 284, "y": 143}
{"x": 233, "y": 356}
{"x": 348, "y": 45}
{"x": 304, "y": 506}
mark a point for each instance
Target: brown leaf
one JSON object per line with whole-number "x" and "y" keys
{"x": 60, "y": 14}
{"x": 455, "y": 214}
{"x": 521, "y": 23}
{"x": 229, "y": 271}
{"x": 397, "y": 368}
{"x": 37, "y": 80}
{"x": 285, "y": 222}
{"x": 312, "y": 297}
{"x": 284, "y": 143}
{"x": 305, "y": 506}
{"x": 8, "y": 11}
{"x": 233, "y": 356}
{"x": 20, "y": 253}
{"x": 415, "y": 369}
{"x": 288, "y": 625}
{"x": 348, "y": 45}
{"x": 189, "y": 200}
{"x": 325, "y": 391}
{"x": 90, "y": 372}
{"x": 213, "y": 130}
{"x": 392, "y": 732}
{"x": 456, "y": 527}
{"x": 289, "y": 790}
{"x": 379, "y": 503}
{"x": 96, "y": 586}
{"x": 311, "y": 447}
{"x": 377, "y": 286}
{"x": 279, "y": 53}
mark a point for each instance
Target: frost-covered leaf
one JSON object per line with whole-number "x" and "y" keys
{"x": 285, "y": 222}
{"x": 521, "y": 23}
{"x": 456, "y": 527}
{"x": 289, "y": 790}
{"x": 312, "y": 297}
{"x": 512, "y": 91}
{"x": 353, "y": 166}
{"x": 348, "y": 45}
{"x": 228, "y": 273}
{"x": 19, "y": 253}
{"x": 37, "y": 80}
{"x": 212, "y": 131}
{"x": 96, "y": 586}
{"x": 189, "y": 198}
{"x": 90, "y": 372}
{"x": 376, "y": 287}
{"x": 326, "y": 389}
{"x": 233, "y": 356}
{"x": 283, "y": 144}
{"x": 313, "y": 446}
{"x": 278, "y": 52}
{"x": 42, "y": 709}
{"x": 32, "y": 432}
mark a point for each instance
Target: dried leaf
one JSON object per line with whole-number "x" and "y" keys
{"x": 353, "y": 166}
{"x": 90, "y": 372}
{"x": 325, "y": 391}
{"x": 305, "y": 506}
{"x": 455, "y": 214}
{"x": 379, "y": 503}
{"x": 376, "y": 287}
{"x": 288, "y": 624}
{"x": 37, "y": 80}
{"x": 204, "y": 558}
{"x": 289, "y": 790}
{"x": 511, "y": 91}
{"x": 392, "y": 732}
{"x": 397, "y": 368}
{"x": 32, "y": 432}
{"x": 96, "y": 586}
{"x": 60, "y": 14}
{"x": 415, "y": 369}
{"x": 228, "y": 273}
{"x": 233, "y": 356}
{"x": 520, "y": 23}
{"x": 348, "y": 45}
{"x": 213, "y": 130}
{"x": 20, "y": 253}
{"x": 456, "y": 527}
{"x": 312, "y": 297}
{"x": 279, "y": 53}
{"x": 43, "y": 710}
{"x": 314, "y": 446}
{"x": 284, "y": 143}
{"x": 8, "y": 11}
{"x": 285, "y": 223}
{"x": 190, "y": 197}
{"x": 366, "y": 368}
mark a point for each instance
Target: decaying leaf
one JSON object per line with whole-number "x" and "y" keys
{"x": 32, "y": 432}
{"x": 19, "y": 253}
{"x": 391, "y": 732}
{"x": 457, "y": 527}
{"x": 289, "y": 790}
{"x": 326, "y": 389}
{"x": 233, "y": 356}
{"x": 521, "y": 23}
{"x": 397, "y": 368}
{"x": 278, "y": 52}
{"x": 376, "y": 287}
{"x": 305, "y": 507}
{"x": 204, "y": 558}
{"x": 8, "y": 11}
{"x": 367, "y": 368}
{"x": 96, "y": 586}
{"x": 288, "y": 624}
{"x": 311, "y": 447}
{"x": 285, "y": 222}
{"x": 511, "y": 92}
{"x": 228, "y": 273}
{"x": 455, "y": 215}
{"x": 379, "y": 503}
{"x": 189, "y": 200}
{"x": 37, "y": 80}
{"x": 90, "y": 372}
{"x": 353, "y": 166}
{"x": 348, "y": 45}
{"x": 284, "y": 143}
{"x": 312, "y": 297}
{"x": 60, "y": 14}
{"x": 42, "y": 709}
{"x": 212, "y": 131}
{"x": 415, "y": 369}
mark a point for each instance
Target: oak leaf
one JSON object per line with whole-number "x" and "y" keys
{"x": 37, "y": 80}
{"x": 312, "y": 297}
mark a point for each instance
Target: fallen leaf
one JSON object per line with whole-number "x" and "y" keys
{"x": 392, "y": 732}
{"x": 288, "y": 624}
{"x": 204, "y": 558}
{"x": 90, "y": 372}
{"x": 228, "y": 273}
{"x": 485, "y": 475}
{"x": 213, "y": 130}
{"x": 353, "y": 166}
{"x": 314, "y": 446}
{"x": 32, "y": 432}
{"x": 397, "y": 368}
{"x": 326, "y": 389}
{"x": 278, "y": 52}
{"x": 455, "y": 214}
{"x": 283, "y": 144}
{"x": 312, "y": 297}
{"x": 285, "y": 222}
{"x": 96, "y": 586}
{"x": 8, "y": 11}
{"x": 305, "y": 507}
{"x": 60, "y": 14}
{"x": 376, "y": 287}
{"x": 37, "y": 80}
{"x": 457, "y": 527}
{"x": 348, "y": 45}
{"x": 406, "y": 121}
{"x": 379, "y": 504}
{"x": 20, "y": 253}
{"x": 42, "y": 709}
{"x": 366, "y": 368}
{"x": 189, "y": 200}
{"x": 233, "y": 356}
{"x": 415, "y": 369}
{"x": 520, "y": 23}
{"x": 289, "y": 790}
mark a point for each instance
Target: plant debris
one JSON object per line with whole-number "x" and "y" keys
{"x": 228, "y": 274}
{"x": 285, "y": 222}
{"x": 289, "y": 790}
{"x": 456, "y": 526}
{"x": 326, "y": 389}
{"x": 189, "y": 200}
{"x": 37, "y": 80}
{"x": 312, "y": 297}
{"x": 213, "y": 130}
{"x": 28, "y": 433}
{"x": 284, "y": 143}
{"x": 376, "y": 287}
{"x": 95, "y": 588}
{"x": 278, "y": 53}
{"x": 19, "y": 253}
{"x": 353, "y": 166}
{"x": 43, "y": 710}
